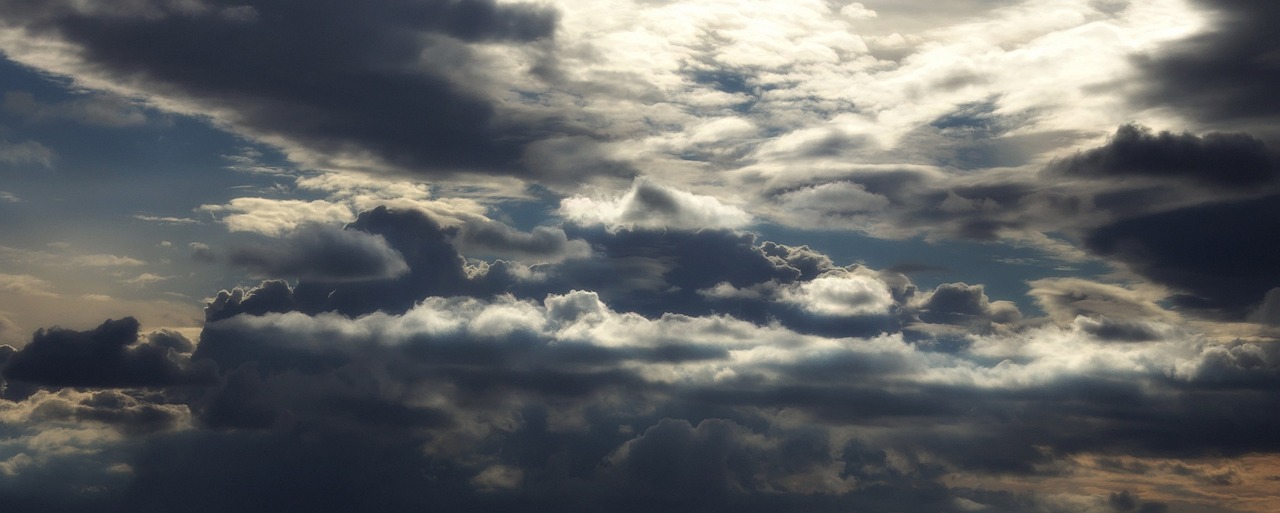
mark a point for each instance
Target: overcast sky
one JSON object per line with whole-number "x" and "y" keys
{"x": 640, "y": 255}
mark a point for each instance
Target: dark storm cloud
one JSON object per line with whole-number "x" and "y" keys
{"x": 1229, "y": 160}
{"x": 323, "y": 253}
{"x": 1228, "y": 72}
{"x": 334, "y": 78}
{"x": 1220, "y": 256}
{"x": 108, "y": 356}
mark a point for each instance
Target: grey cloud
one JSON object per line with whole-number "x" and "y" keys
{"x": 1226, "y": 73}
{"x": 1233, "y": 160}
{"x": 810, "y": 263}
{"x": 130, "y": 411}
{"x": 109, "y": 356}
{"x": 542, "y": 244}
{"x": 272, "y": 296}
{"x": 1106, "y": 328}
{"x": 964, "y": 304}
{"x": 323, "y": 253}
{"x": 1221, "y": 256}
{"x": 648, "y": 271}
{"x": 455, "y": 386}
{"x": 332, "y": 79}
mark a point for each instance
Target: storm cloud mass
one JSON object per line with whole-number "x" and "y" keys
{"x": 620, "y": 255}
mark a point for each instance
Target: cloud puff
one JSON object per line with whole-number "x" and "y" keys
{"x": 840, "y": 293}
{"x": 649, "y": 205}
{"x": 323, "y": 253}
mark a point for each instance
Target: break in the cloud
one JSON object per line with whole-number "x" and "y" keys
{"x": 982, "y": 255}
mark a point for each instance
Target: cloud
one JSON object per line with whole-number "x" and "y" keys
{"x": 542, "y": 244}
{"x": 431, "y": 114}
{"x": 25, "y": 284}
{"x": 1064, "y": 299}
{"x": 108, "y": 356}
{"x": 98, "y": 109}
{"x": 276, "y": 217}
{"x": 26, "y": 152}
{"x": 322, "y": 253}
{"x": 1220, "y": 255}
{"x": 964, "y": 304}
{"x": 1230, "y": 160}
{"x": 840, "y": 293}
{"x": 649, "y": 205}
{"x": 1225, "y": 72}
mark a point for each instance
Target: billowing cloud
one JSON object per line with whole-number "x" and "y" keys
{"x": 542, "y": 244}
{"x": 110, "y": 355}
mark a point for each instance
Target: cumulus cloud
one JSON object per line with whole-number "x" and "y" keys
{"x": 841, "y": 293}
{"x": 644, "y": 355}
{"x": 111, "y": 355}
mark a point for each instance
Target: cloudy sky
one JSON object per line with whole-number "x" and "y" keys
{"x": 640, "y": 255}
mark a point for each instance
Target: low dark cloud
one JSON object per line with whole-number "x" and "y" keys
{"x": 109, "y": 356}
{"x": 1220, "y": 256}
{"x": 1231, "y": 160}
{"x": 321, "y": 253}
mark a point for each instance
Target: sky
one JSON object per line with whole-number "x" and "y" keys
{"x": 888, "y": 256}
